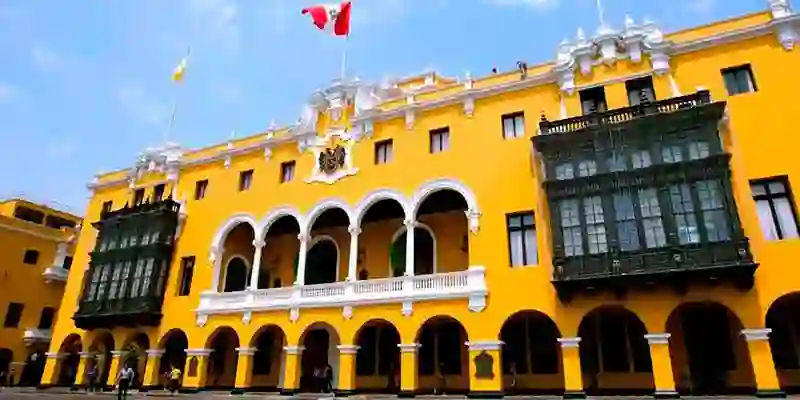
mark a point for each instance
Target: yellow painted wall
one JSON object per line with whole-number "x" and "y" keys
{"x": 763, "y": 143}
{"x": 24, "y": 283}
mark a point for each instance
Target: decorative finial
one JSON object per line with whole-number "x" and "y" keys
{"x": 629, "y": 24}
{"x": 581, "y": 36}
{"x": 272, "y": 125}
{"x": 543, "y": 117}
{"x": 233, "y": 135}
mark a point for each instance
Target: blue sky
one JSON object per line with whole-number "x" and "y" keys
{"x": 84, "y": 84}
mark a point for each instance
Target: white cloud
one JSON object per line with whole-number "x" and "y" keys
{"x": 536, "y": 4}
{"x": 219, "y": 19}
{"x": 7, "y": 92}
{"x": 46, "y": 59}
{"x": 138, "y": 104}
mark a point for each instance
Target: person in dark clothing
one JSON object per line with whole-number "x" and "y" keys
{"x": 328, "y": 375}
{"x": 124, "y": 382}
{"x": 91, "y": 378}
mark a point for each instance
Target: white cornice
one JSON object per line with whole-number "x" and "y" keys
{"x": 785, "y": 27}
{"x": 54, "y": 237}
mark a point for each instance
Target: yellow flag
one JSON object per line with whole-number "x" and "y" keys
{"x": 180, "y": 70}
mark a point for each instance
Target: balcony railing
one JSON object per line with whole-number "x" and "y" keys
{"x": 469, "y": 284}
{"x": 621, "y": 115}
{"x": 35, "y": 335}
{"x": 55, "y": 274}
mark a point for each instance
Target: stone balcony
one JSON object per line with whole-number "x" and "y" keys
{"x": 55, "y": 274}
{"x": 405, "y": 290}
{"x": 34, "y": 335}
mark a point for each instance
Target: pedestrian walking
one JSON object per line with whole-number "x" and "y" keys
{"x": 328, "y": 374}
{"x": 91, "y": 378}
{"x": 174, "y": 380}
{"x": 124, "y": 380}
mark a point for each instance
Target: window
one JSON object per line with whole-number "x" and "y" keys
{"x": 158, "y": 192}
{"x": 287, "y": 171}
{"x": 513, "y": 125}
{"x": 640, "y": 159}
{"x": 640, "y": 89}
{"x": 593, "y": 100}
{"x": 712, "y": 206}
{"x": 652, "y": 223}
{"x": 587, "y": 168}
{"x": 31, "y": 257}
{"x": 245, "y": 179}
{"x": 138, "y": 197}
{"x": 13, "y": 315}
{"x": 522, "y": 239}
{"x": 106, "y": 207}
{"x": 30, "y": 215}
{"x": 671, "y": 154}
{"x": 698, "y": 150}
{"x": 383, "y": 151}
{"x": 46, "y": 318}
{"x": 627, "y": 227}
{"x": 739, "y": 80}
{"x": 775, "y": 206}
{"x": 595, "y": 228}
{"x": 200, "y": 188}
{"x": 616, "y": 162}
{"x": 67, "y": 263}
{"x": 187, "y": 271}
{"x": 440, "y": 140}
{"x": 564, "y": 171}
{"x": 571, "y": 227}
{"x": 683, "y": 213}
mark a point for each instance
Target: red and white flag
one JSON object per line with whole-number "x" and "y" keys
{"x": 335, "y": 15}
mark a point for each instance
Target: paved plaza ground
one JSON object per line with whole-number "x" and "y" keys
{"x": 26, "y": 393}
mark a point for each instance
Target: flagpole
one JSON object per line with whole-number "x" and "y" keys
{"x": 600, "y": 13}
{"x": 344, "y": 57}
{"x": 171, "y": 122}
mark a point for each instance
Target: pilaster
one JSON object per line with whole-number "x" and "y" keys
{"x": 244, "y": 369}
{"x": 291, "y": 370}
{"x": 408, "y": 369}
{"x": 485, "y": 374}
{"x": 571, "y": 359}
{"x": 662, "y": 365}
{"x": 767, "y": 384}
{"x": 347, "y": 369}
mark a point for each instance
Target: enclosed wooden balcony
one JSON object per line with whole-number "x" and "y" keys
{"x": 641, "y": 196}
{"x": 124, "y": 285}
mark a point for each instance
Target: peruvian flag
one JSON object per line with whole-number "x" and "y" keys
{"x": 337, "y": 15}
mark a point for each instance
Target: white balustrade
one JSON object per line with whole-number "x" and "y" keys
{"x": 469, "y": 284}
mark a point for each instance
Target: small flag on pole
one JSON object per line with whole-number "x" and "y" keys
{"x": 339, "y": 14}
{"x": 180, "y": 70}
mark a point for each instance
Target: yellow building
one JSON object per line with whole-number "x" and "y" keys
{"x": 37, "y": 244}
{"x": 644, "y": 242}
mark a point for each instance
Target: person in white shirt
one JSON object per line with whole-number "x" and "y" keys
{"x": 124, "y": 380}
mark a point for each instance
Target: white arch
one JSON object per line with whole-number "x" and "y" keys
{"x": 375, "y": 196}
{"x": 436, "y": 185}
{"x": 243, "y": 218}
{"x": 427, "y": 228}
{"x": 227, "y": 263}
{"x": 321, "y": 207}
{"x": 276, "y": 214}
{"x": 324, "y": 238}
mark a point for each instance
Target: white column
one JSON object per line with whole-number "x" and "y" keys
{"x": 410, "y": 225}
{"x": 352, "y": 266}
{"x": 258, "y": 245}
{"x": 215, "y": 258}
{"x": 301, "y": 259}
{"x": 61, "y": 255}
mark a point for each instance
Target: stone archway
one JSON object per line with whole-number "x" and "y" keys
{"x": 322, "y": 261}
{"x": 268, "y": 360}
{"x": 531, "y": 357}
{"x": 424, "y": 251}
{"x": 237, "y": 273}
{"x": 783, "y": 318}
{"x": 136, "y": 356}
{"x": 443, "y": 363}
{"x": 222, "y": 363}
{"x": 321, "y": 343}
{"x": 174, "y": 343}
{"x": 709, "y": 354}
{"x": 101, "y": 349}
{"x": 615, "y": 355}
{"x": 378, "y": 358}
{"x": 67, "y": 365}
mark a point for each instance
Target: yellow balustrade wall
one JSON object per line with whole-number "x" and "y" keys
{"x": 760, "y": 133}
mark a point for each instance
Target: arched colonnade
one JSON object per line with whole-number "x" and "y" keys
{"x": 703, "y": 349}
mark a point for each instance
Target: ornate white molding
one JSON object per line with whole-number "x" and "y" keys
{"x": 320, "y": 145}
{"x": 294, "y": 349}
{"x": 348, "y": 348}
{"x": 409, "y": 347}
{"x": 755, "y": 335}
{"x": 199, "y": 352}
{"x": 569, "y": 342}
{"x": 246, "y": 351}
{"x": 469, "y": 106}
{"x": 154, "y": 352}
{"x": 657, "y": 338}
{"x": 482, "y": 345}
